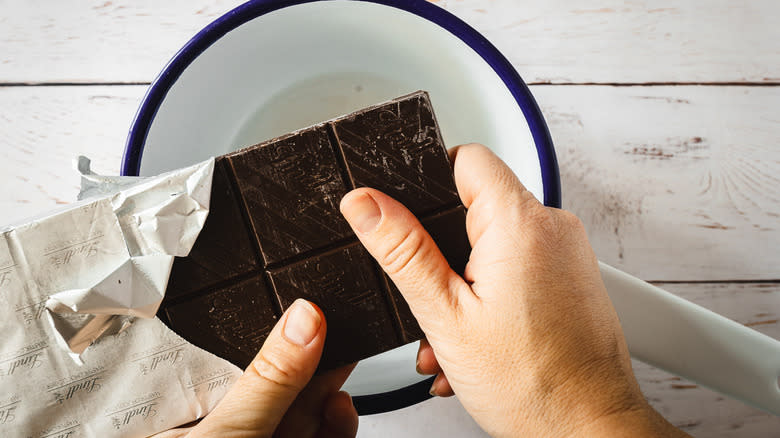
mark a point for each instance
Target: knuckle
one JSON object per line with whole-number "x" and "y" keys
{"x": 276, "y": 372}
{"x": 401, "y": 255}
{"x": 521, "y": 207}
{"x": 456, "y": 288}
{"x": 568, "y": 223}
{"x": 527, "y": 201}
{"x": 539, "y": 227}
{"x": 469, "y": 152}
{"x": 570, "y": 218}
{"x": 475, "y": 147}
{"x": 559, "y": 228}
{"x": 533, "y": 215}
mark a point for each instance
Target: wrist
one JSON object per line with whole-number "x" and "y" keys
{"x": 640, "y": 421}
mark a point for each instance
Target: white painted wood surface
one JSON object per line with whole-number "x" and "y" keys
{"x": 560, "y": 41}
{"x": 674, "y": 183}
{"x": 632, "y": 41}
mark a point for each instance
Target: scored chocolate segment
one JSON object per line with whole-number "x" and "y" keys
{"x": 217, "y": 254}
{"x": 448, "y": 230}
{"x": 274, "y": 233}
{"x": 410, "y": 329}
{"x": 292, "y": 188}
{"x": 397, "y": 149}
{"x": 345, "y": 284}
{"x": 231, "y": 322}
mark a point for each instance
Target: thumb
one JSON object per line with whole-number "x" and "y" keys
{"x": 406, "y": 252}
{"x": 285, "y": 364}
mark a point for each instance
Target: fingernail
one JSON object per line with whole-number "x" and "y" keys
{"x": 417, "y": 367}
{"x": 302, "y": 323}
{"x": 362, "y": 212}
{"x": 432, "y": 391}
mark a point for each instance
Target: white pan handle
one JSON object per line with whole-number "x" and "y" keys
{"x": 690, "y": 341}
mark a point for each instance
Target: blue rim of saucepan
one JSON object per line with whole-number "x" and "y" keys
{"x": 131, "y": 161}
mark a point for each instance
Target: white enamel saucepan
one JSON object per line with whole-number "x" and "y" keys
{"x": 273, "y": 66}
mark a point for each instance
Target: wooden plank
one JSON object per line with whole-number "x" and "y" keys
{"x": 701, "y": 412}
{"x": 97, "y": 41}
{"x": 698, "y": 410}
{"x": 44, "y": 128}
{"x": 617, "y": 41}
{"x": 559, "y": 41}
{"x": 691, "y": 196}
{"x": 672, "y": 183}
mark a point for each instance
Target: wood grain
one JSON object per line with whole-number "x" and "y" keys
{"x": 42, "y": 129}
{"x": 700, "y": 411}
{"x": 617, "y": 41}
{"x": 673, "y": 183}
{"x": 557, "y": 41}
{"x": 97, "y": 41}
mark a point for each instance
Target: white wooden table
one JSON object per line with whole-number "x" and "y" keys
{"x": 665, "y": 116}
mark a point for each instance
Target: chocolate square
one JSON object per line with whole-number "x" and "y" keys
{"x": 216, "y": 255}
{"x": 231, "y": 322}
{"x": 395, "y": 148}
{"x": 346, "y": 285}
{"x": 292, "y": 188}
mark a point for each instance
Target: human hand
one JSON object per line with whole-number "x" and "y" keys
{"x": 277, "y": 396}
{"x": 527, "y": 338}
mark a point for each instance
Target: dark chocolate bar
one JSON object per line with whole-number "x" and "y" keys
{"x": 274, "y": 233}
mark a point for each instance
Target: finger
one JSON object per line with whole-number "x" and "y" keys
{"x": 478, "y": 171}
{"x": 426, "y": 361}
{"x": 488, "y": 187}
{"x": 285, "y": 364}
{"x": 405, "y": 251}
{"x": 441, "y": 386}
{"x": 339, "y": 417}
{"x": 304, "y": 417}
{"x": 179, "y": 432}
